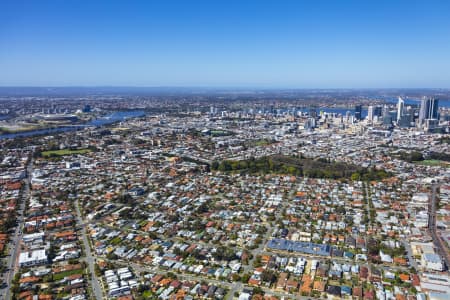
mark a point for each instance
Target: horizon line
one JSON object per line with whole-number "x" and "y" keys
{"x": 222, "y": 87}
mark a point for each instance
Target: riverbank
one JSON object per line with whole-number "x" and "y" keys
{"x": 98, "y": 122}
{"x": 6, "y": 129}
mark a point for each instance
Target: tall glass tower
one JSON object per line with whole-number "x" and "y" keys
{"x": 400, "y": 108}
{"x": 429, "y": 109}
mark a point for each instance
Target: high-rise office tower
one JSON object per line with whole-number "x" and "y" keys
{"x": 213, "y": 110}
{"x": 423, "y": 110}
{"x": 358, "y": 112}
{"x": 400, "y": 108}
{"x": 429, "y": 108}
{"x": 347, "y": 115}
{"x": 313, "y": 113}
{"x": 434, "y": 108}
{"x": 377, "y": 111}
{"x": 387, "y": 117}
{"x": 370, "y": 113}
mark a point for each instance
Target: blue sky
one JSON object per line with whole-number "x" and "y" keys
{"x": 295, "y": 44}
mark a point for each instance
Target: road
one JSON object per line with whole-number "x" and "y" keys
{"x": 12, "y": 266}
{"x": 441, "y": 250}
{"x": 96, "y": 288}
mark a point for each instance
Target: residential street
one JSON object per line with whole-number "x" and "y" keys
{"x": 97, "y": 290}
{"x": 12, "y": 259}
{"x": 441, "y": 250}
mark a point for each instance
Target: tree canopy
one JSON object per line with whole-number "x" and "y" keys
{"x": 299, "y": 166}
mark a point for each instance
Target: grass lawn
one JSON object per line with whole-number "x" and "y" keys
{"x": 115, "y": 241}
{"x": 433, "y": 162}
{"x": 64, "y": 152}
{"x": 143, "y": 223}
{"x": 262, "y": 142}
{"x": 147, "y": 294}
{"x": 61, "y": 275}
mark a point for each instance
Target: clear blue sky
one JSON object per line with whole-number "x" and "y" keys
{"x": 302, "y": 44}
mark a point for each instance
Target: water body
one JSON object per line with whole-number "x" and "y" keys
{"x": 106, "y": 120}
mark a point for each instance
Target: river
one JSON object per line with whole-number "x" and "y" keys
{"x": 105, "y": 120}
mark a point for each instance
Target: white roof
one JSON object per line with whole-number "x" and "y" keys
{"x": 32, "y": 256}
{"x": 431, "y": 257}
{"x": 33, "y": 236}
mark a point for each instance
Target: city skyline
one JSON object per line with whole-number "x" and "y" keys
{"x": 225, "y": 150}
{"x": 226, "y": 44}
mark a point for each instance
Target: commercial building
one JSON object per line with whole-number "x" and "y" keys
{"x": 429, "y": 108}
{"x": 302, "y": 247}
{"x": 358, "y": 112}
{"x": 370, "y": 113}
{"x": 33, "y": 258}
{"x": 432, "y": 262}
{"x": 400, "y": 108}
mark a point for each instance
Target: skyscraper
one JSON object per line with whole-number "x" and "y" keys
{"x": 400, "y": 108}
{"x": 423, "y": 110}
{"x": 358, "y": 112}
{"x": 377, "y": 111}
{"x": 370, "y": 113}
{"x": 434, "y": 109}
{"x": 313, "y": 113}
{"x": 429, "y": 108}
